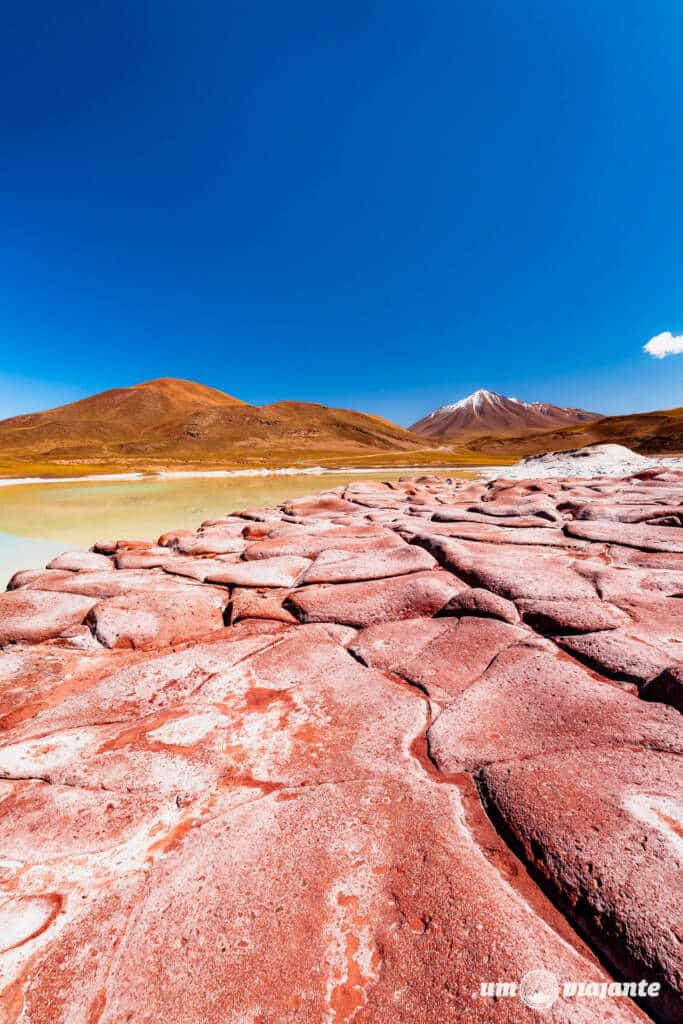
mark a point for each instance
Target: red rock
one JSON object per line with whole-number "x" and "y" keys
{"x": 153, "y": 558}
{"x": 476, "y": 601}
{"x": 618, "y": 654}
{"x": 602, "y": 830}
{"x": 388, "y": 880}
{"x": 644, "y": 559}
{"x": 116, "y": 583}
{"x": 533, "y": 700}
{"x": 211, "y": 545}
{"x": 266, "y": 572}
{"x": 254, "y": 603}
{"x": 74, "y": 561}
{"x": 25, "y": 576}
{"x": 582, "y": 616}
{"x": 493, "y": 534}
{"x": 513, "y": 574}
{"x": 35, "y": 615}
{"x": 363, "y": 604}
{"x": 318, "y": 505}
{"x": 346, "y": 566}
{"x": 152, "y": 620}
{"x": 310, "y": 545}
{"x": 442, "y": 656}
{"x": 462, "y": 515}
{"x": 647, "y": 538}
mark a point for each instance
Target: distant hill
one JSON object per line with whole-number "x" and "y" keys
{"x": 169, "y": 423}
{"x": 650, "y": 433}
{"x": 486, "y": 413}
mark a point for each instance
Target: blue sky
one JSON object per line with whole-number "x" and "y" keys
{"x": 382, "y": 205}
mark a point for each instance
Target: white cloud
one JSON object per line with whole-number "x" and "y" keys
{"x": 665, "y": 344}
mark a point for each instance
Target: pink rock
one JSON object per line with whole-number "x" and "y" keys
{"x": 494, "y": 534}
{"x": 346, "y": 566}
{"x": 442, "y": 656}
{"x": 266, "y": 572}
{"x": 602, "y": 831}
{"x": 35, "y": 615}
{"x": 363, "y": 604}
{"x": 647, "y": 538}
{"x": 153, "y": 558}
{"x": 510, "y": 572}
{"x": 478, "y": 602}
{"x": 581, "y": 616}
{"x": 26, "y": 576}
{"x": 153, "y": 620}
{"x": 618, "y": 654}
{"x": 389, "y": 880}
{"x": 254, "y": 603}
{"x": 116, "y": 583}
{"x": 318, "y": 505}
{"x": 213, "y": 543}
{"x": 75, "y": 561}
{"x": 533, "y": 700}
{"x": 310, "y": 545}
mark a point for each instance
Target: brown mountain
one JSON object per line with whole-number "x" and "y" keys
{"x": 487, "y": 413}
{"x": 169, "y": 423}
{"x": 650, "y": 433}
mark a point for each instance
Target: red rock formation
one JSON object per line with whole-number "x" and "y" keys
{"x": 240, "y": 769}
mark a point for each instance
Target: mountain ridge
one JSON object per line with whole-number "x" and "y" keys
{"x": 168, "y": 423}
{"x": 486, "y": 412}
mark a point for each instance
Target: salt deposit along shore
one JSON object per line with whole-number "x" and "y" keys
{"x": 361, "y": 757}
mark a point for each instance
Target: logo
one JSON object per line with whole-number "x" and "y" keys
{"x": 539, "y": 989}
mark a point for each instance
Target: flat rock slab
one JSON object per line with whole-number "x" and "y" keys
{"x": 36, "y": 615}
{"x": 310, "y": 545}
{"x": 585, "y": 615}
{"x": 116, "y": 583}
{"x": 75, "y": 561}
{"x": 388, "y": 879}
{"x": 513, "y": 573}
{"x": 532, "y": 700}
{"x": 647, "y": 538}
{"x": 152, "y": 620}
{"x": 285, "y": 571}
{"x": 333, "y": 566}
{"x": 603, "y": 831}
{"x": 265, "y": 603}
{"x": 443, "y": 656}
{"x": 619, "y": 654}
{"x": 363, "y": 604}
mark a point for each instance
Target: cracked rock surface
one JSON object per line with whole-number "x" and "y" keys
{"x": 350, "y": 760}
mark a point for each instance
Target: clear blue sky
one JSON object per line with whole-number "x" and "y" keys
{"x": 383, "y": 205}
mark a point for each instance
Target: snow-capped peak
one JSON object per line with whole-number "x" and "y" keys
{"x": 476, "y": 400}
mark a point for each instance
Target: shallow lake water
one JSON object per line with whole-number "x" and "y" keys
{"x": 38, "y": 521}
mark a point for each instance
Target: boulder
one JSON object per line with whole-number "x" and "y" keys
{"x": 363, "y": 604}
{"x": 346, "y": 566}
{"x": 76, "y": 561}
{"x": 478, "y": 602}
{"x": 154, "y": 620}
{"x": 36, "y": 615}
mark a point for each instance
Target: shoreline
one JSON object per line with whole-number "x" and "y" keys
{"x": 191, "y": 474}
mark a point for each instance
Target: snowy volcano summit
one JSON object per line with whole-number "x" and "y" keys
{"x": 488, "y": 413}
